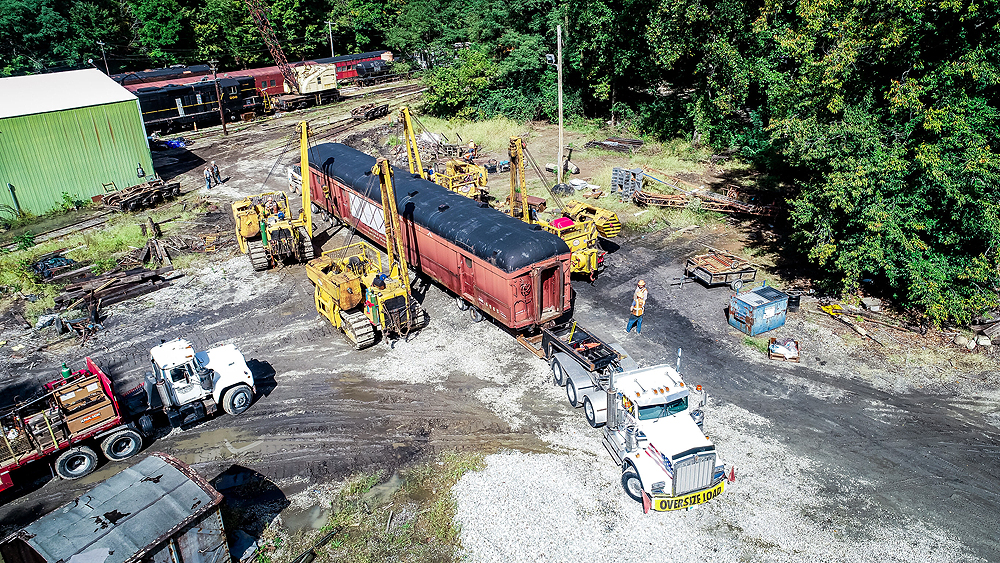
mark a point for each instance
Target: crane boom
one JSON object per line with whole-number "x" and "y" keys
{"x": 259, "y": 13}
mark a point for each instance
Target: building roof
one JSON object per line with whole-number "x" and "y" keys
{"x": 499, "y": 239}
{"x": 56, "y": 91}
{"x": 128, "y": 515}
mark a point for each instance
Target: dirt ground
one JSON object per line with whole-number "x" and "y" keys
{"x": 880, "y": 453}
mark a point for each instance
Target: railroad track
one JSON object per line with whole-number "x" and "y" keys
{"x": 95, "y": 221}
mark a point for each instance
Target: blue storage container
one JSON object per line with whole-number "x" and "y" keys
{"x": 758, "y": 311}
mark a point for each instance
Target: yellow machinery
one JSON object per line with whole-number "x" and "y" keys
{"x": 459, "y": 176}
{"x": 606, "y": 221}
{"x": 580, "y": 235}
{"x": 358, "y": 291}
{"x": 265, "y": 228}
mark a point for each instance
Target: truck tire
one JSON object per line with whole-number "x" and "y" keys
{"x": 307, "y": 251}
{"x": 632, "y": 483}
{"x": 121, "y": 445}
{"x": 590, "y": 413}
{"x": 258, "y": 256}
{"x": 76, "y": 462}
{"x": 558, "y": 374}
{"x": 572, "y": 393}
{"x": 463, "y": 305}
{"x": 237, "y": 399}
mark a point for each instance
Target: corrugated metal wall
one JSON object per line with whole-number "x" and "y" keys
{"x": 73, "y": 151}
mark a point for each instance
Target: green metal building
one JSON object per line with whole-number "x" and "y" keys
{"x": 69, "y": 132}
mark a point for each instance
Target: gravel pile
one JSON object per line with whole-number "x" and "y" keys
{"x": 569, "y": 506}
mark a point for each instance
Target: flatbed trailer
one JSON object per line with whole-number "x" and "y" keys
{"x": 72, "y": 412}
{"x": 720, "y": 268}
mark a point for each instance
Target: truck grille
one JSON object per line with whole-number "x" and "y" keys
{"x": 693, "y": 473}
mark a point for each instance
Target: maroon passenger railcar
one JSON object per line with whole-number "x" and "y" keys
{"x": 512, "y": 271}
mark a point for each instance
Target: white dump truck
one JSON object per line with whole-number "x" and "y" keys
{"x": 651, "y": 419}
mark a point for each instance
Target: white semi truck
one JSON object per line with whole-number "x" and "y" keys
{"x": 651, "y": 419}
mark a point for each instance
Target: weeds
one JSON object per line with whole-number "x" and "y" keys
{"x": 422, "y": 526}
{"x": 25, "y": 240}
{"x": 759, "y": 344}
{"x": 491, "y": 134}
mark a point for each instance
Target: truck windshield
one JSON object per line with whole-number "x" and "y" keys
{"x": 656, "y": 411}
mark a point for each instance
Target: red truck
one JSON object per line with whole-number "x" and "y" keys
{"x": 76, "y": 414}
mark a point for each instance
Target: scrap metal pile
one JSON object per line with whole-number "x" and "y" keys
{"x": 632, "y": 185}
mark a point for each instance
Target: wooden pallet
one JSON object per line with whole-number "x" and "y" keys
{"x": 773, "y": 356}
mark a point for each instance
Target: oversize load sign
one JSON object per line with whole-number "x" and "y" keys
{"x": 674, "y": 503}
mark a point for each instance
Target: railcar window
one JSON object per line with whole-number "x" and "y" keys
{"x": 468, "y": 262}
{"x": 263, "y": 83}
{"x": 272, "y": 83}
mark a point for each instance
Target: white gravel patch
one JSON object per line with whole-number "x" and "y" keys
{"x": 570, "y": 507}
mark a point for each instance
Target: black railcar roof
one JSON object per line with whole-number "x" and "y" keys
{"x": 501, "y": 240}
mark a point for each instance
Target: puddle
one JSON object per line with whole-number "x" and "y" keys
{"x": 380, "y": 493}
{"x": 311, "y": 519}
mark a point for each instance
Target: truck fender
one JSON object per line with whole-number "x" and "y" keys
{"x": 627, "y": 363}
{"x": 566, "y": 364}
{"x": 578, "y": 383}
{"x": 599, "y": 402}
{"x": 650, "y": 472}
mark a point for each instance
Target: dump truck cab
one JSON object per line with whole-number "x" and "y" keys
{"x": 189, "y": 386}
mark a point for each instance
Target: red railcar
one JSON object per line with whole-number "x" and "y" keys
{"x": 512, "y": 271}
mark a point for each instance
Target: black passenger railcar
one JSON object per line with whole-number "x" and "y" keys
{"x": 173, "y": 107}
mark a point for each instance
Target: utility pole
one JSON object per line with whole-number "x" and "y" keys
{"x": 329, "y": 27}
{"x": 218, "y": 95}
{"x": 105, "y": 57}
{"x": 559, "y": 64}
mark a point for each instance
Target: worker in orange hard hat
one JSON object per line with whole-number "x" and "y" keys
{"x": 638, "y": 307}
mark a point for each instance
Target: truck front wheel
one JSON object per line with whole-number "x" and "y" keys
{"x": 121, "y": 445}
{"x": 76, "y": 462}
{"x": 237, "y": 399}
{"x": 632, "y": 484}
{"x": 590, "y": 413}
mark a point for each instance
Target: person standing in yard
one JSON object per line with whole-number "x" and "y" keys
{"x": 215, "y": 172}
{"x": 208, "y": 178}
{"x": 638, "y": 305}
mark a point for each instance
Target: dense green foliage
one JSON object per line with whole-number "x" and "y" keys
{"x": 878, "y": 121}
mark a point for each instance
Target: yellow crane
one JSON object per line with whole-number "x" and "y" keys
{"x": 459, "y": 176}
{"x": 359, "y": 291}
{"x": 265, "y": 227}
{"x": 580, "y": 236}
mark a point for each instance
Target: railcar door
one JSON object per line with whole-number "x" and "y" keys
{"x": 548, "y": 280}
{"x": 466, "y": 278}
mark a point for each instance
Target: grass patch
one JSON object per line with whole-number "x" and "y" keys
{"x": 759, "y": 344}
{"x": 491, "y": 134}
{"x": 101, "y": 248}
{"x": 422, "y": 529}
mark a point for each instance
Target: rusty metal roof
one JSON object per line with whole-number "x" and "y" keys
{"x": 128, "y": 515}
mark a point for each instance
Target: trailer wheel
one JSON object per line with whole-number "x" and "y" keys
{"x": 736, "y": 285}
{"x": 632, "y": 483}
{"x": 76, "y": 462}
{"x": 121, "y": 445}
{"x": 571, "y": 393}
{"x": 475, "y": 314}
{"x": 237, "y": 399}
{"x": 590, "y": 414}
{"x": 558, "y": 375}
{"x": 463, "y": 305}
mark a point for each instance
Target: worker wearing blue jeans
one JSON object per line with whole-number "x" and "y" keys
{"x": 208, "y": 178}
{"x": 638, "y": 306}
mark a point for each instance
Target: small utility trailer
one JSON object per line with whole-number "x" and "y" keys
{"x": 719, "y": 268}
{"x": 369, "y": 112}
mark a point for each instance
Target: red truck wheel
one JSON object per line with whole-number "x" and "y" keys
{"x": 76, "y": 462}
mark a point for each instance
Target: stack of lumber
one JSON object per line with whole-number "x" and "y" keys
{"x": 113, "y": 287}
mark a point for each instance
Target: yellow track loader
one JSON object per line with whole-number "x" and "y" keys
{"x": 266, "y": 229}
{"x": 358, "y": 290}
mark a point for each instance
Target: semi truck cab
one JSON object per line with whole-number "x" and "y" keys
{"x": 189, "y": 386}
{"x": 653, "y": 430}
